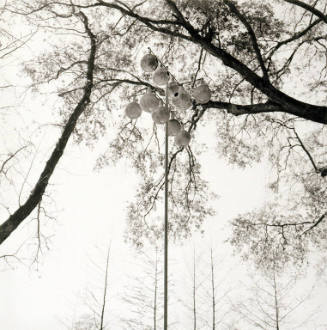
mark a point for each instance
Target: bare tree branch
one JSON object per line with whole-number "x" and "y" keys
{"x": 11, "y": 156}
{"x": 309, "y": 8}
{"x": 316, "y": 223}
{"x": 295, "y": 37}
{"x": 238, "y": 109}
{"x": 253, "y": 37}
{"x": 306, "y": 151}
{"x": 9, "y": 226}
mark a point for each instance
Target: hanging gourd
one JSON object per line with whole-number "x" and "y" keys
{"x": 182, "y": 99}
{"x": 155, "y": 117}
{"x": 172, "y": 89}
{"x": 160, "y": 76}
{"x": 161, "y": 115}
{"x": 164, "y": 115}
{"x": 149, "y": 102}
{"x": 183, "y": 138}
{"x": 133, "y": 110}
{"x": 202, "y": 94}
{"x": 173, "y": 127}
{"x": 149, "y": 63}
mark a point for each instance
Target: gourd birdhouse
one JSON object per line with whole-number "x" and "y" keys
{"x": 133, "y": 110}
{"x": 149, "y": 102}
{"x": 172, "y": 89}
{"x": 202, "y": 94}
{"x": 161, "y": 116}
{"x": 182, "y": 99}
{"x": 160, "y": 76}
{"x": 149, "y": 63}
{"x": 173, "y": 127}
{"x": 183, "y": 138}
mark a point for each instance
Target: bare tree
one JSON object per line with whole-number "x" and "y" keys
{"x": 96, "y": 301}
{"x": 144, "y": 294}
{"x": 213, "y": 292}
{"x": 194, "y": 291}
{"x": 274, "y": 303}
{"x": 13, "y": 221}
{"x": 209, "y": 310}
{"x": 105, "y": 292}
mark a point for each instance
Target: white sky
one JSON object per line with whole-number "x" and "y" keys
{"x": 93, "y": 212}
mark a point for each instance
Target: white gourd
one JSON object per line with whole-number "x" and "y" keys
{"x": 182, "y": 99}
{"x": 172, "y": 89}
{"x": 202, "y": 94}
{"x": 160, "y": 76}
{"x": 133, "y": 110}
{"x": 161, "y": 116}
{"x": 183, "y": 138}
{"x": 173, "y": 127}
{"x": 149, "y": 63}
{"x": 164, "y": 115}
{"x": 149, "y": 102}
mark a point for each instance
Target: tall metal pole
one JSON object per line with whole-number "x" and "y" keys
{"x": 166, "y": 224}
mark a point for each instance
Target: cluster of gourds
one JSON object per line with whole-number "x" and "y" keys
{"x": 177, "y": 94}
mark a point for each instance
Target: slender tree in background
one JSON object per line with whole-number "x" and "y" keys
{"x": 209, "y": 304}
{"x": 267, "y": 74}
{"x": 194, "y": 291}
{"x": 144, "y": 295}
{"x": 213, "y": 292}
{"x": 96, "y": 301}
{"x": 85, "y": 322}
{"x": 275, "y": 301}
{"x": 105, "y": 292}
{"x": 220, "y": 309}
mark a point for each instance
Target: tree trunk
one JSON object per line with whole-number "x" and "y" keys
{"x": 105, "y": 289}
{"x": 194, "y": 294}
{"x": 276, "y": 302}
{"x": 213, "y": 293}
